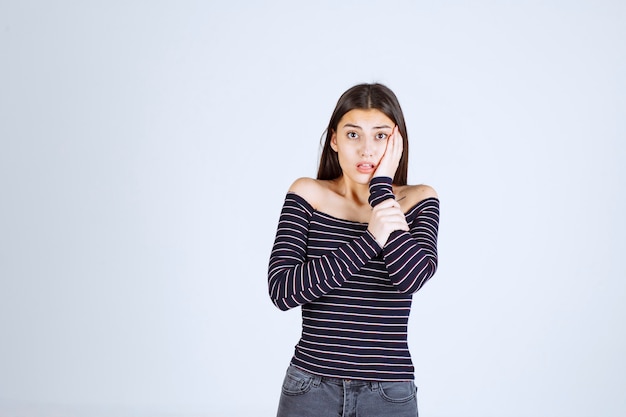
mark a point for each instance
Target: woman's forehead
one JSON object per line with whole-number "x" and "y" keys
{"x": 366, "y": 119}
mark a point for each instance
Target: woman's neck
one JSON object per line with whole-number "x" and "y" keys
{"x": 352, "y": 191}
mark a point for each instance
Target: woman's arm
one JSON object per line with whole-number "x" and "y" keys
{"x": 292, "y": 279}
{"x": 410, "y": 256}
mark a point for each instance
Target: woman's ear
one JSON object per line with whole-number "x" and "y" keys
{"x": 333, "y": 141}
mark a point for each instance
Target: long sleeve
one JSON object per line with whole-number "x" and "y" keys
{"x": 410, "y": 257}
{"x": 293, "y": 279}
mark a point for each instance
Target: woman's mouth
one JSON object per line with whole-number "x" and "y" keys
{"x": 365, "y": 167}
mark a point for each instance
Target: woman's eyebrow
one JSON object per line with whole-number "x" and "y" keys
{"x": 352, "y": 126}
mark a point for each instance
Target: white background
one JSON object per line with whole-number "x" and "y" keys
{"x": 146, "y": 147}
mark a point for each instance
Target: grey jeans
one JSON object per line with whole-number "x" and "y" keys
{"x": 308, "y": 395}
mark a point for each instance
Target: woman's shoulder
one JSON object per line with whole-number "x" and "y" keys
{"x": 411, "y": 195}
{"x": 311, "y": 190}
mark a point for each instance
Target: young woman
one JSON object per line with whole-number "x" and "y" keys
{"x": 351, "y": 248}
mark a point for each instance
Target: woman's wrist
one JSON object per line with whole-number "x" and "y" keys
{"x": 380, "y": 190}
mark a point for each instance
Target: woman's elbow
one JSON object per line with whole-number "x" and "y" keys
{"x": 280, "y": 302}
{"x": 282, "y": 305}
{"x": 411, "y": 286}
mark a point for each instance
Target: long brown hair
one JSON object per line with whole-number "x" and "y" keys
{"x": 364, "y": 96}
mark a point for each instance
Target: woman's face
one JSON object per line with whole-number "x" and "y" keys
{"x": 360, "y": 142}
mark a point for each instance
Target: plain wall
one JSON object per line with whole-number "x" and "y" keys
{"x": 146, "y": 148}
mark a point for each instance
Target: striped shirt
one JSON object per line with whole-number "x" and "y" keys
{"x": 355, "y": 296}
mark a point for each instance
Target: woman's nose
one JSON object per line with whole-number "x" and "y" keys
{"x": 367, "y": 150}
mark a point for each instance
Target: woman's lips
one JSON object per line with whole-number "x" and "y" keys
{"x": 365, "y": 167}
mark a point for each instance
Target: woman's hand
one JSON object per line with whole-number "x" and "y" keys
{"x": 386, "y": 217}
{"x": 391, "y": 158}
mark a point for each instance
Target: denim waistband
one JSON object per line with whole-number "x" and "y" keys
{"x": 317, "y": 379}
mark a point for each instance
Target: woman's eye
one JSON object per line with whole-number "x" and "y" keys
{"x": 381, "y": 136}
{"x": 352, "y": 135}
